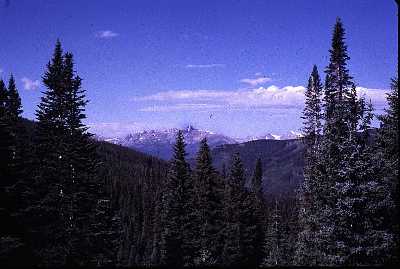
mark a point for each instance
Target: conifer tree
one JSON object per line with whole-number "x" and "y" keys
{"x": 5, "y": 137}
{"x": 307, "y": 249}
{"x": 8, "y": 241}
{"x": 312, "y": 114}
{"x": 338, "y": 147}
{"x": 272, "y": 246}
{"x": 176, "y": 223}
{"x": 240, "y": 220}
{"x": 259, "y": 213}
{"x": 388, "y": 151}
{"x": 209, "y": 206}
{"x": 68, "y": 192}
{"x": 14, "y": 105}
{"x": 232, "y": 253}
{"x": 338, "y": 199}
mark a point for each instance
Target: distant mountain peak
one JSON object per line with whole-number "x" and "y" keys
{"x": 159, "y": 142}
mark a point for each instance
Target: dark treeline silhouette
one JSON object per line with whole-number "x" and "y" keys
{"x": 69, "y": 200}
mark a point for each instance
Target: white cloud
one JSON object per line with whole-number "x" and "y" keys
{"x": 30, "y": 84}
{"x": 259, "y": 80}
{"x": 256, "y": 98}
{"x": 106, "y": 34}
{"x": 183, "y": 95}
{"x": 204, "y": 65}
{"x": 181, "y": 107}
{"x": 377, "y": 96}
{"x": 1, "y": 71}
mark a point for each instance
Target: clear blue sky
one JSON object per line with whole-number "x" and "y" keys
{"x": 153, "y": 64}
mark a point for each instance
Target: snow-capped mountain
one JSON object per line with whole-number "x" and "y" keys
{"x": 159, "y": 143}
{"x": 269, "y": 136}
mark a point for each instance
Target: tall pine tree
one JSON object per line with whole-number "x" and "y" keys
{"x": 209, "y": 191}
{"x": 67, "y": 191}
{"x": 178, "y": 216}
{"x": 388, "y": 151}
{"x": 258, "y": 213}
{"x": 307, "y": 251}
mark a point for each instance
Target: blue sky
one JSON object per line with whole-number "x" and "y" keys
{"x": 235, "y": 67}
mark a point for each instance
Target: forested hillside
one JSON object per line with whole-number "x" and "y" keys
{"x": 282, "y": 163}
{"x": 69, "y": 200}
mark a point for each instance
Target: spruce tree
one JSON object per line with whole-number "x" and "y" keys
{"x": 233, "y": 252}
{"x": 240, "y": 220}
{"x": 388, "y": 151}
{"x": 67, "y": 190}
{"x": 175, "y": 232}
{"x": 338, "y": 146}
{"x": 209, "y": 206}
{"x": 9, "y": 243}
{"x": 14, "y": 105}
{"x": 259, "y": 213}
{"x": 312, "y": 114}
{"x": 5, "y": 137}
{"x": 272, "y": 247}
{"x": 338, "y": 199}
{"x": 307, "y": 251}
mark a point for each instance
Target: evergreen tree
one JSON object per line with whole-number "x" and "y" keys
{"x": 14, "y": 105}
{"x": 388, "y": 152}
{"x": 312, "y": 114}
{"x": 232, "y": 252}
{"x": 272, "y": 246}
{"x": 338, "y": 199}
{"x": 258, "y": 213}
{"x": 5, "y": 138}
{"x": 68, "y": 192}
{"x": 338, "y": 146}
{"x": 9, "y": 241}
{"x": 177, "y": 225}
{"x": 209, "y": 205}
{"x": 307, "y": 251}
{"x": 240, "y": 220}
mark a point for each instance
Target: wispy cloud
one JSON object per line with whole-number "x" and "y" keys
{"x": 256, "y": 98}
{"x": 258, "y": 80}
{"x": 30, "y": 84}
{"x": 204, "y": 65}
{"x": 184, "y": 95}
{"x": 1, "y": 71}
{"x": 181, "y": 107}
{"x": 106, "y": 34}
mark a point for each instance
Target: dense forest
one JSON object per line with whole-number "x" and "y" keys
{"x": 69, "y": 200}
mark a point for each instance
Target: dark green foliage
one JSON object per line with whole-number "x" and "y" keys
{"x": 67, "y": 200}
{"x": 178, "y": 212}
{"x": 209, "y": 190}
{"x": 307, "y": 244}
{"x": 134, "y": 184}
{"x": 341, "y": 219}
{"x": 242, "y": 223}
{"x": 233, "y": 252}
{"x": 14, "y": 106}
{"x": 312, "y": 113}
{"x": 5, "y": 137}
{"x": 272, "y": 247}
{"x": 388, "y": 155}
{"x": 258, "y": 213}
{"x": 67, "y": 197}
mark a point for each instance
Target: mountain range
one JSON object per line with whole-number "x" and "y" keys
{"x": 281, "y": 155}
{"x": 159, "y": 143}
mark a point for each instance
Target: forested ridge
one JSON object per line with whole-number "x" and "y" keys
{"x": 69, "y": 200}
